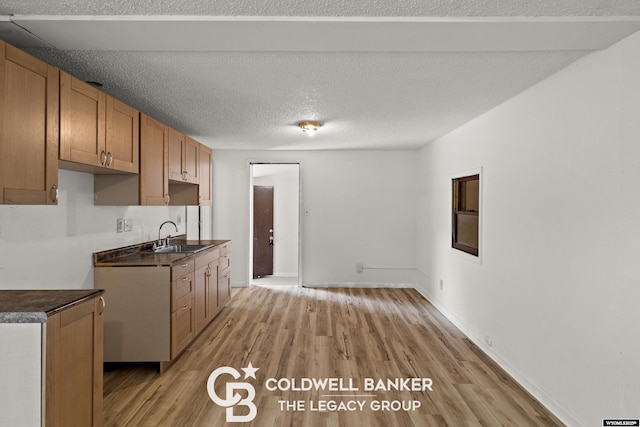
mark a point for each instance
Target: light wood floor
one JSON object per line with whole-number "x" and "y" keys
{"x": 291, "y": 332}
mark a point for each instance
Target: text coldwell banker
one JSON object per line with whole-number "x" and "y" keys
{"x": 348, "y": 384}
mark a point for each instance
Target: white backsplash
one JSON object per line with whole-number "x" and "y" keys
{"x": 51, "y": 247}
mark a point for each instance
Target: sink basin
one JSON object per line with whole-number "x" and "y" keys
{"x": 175, "y": 249}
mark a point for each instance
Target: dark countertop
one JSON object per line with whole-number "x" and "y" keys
{"x": 34, "y": 306}
{"x": 132, "y": 256}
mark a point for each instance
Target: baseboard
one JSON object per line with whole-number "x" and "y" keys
{"x": 284, "y": 275}
{"x": 358, "y": 285}
{"x": 539, "y": 394}
{"x": 239, "y": 285}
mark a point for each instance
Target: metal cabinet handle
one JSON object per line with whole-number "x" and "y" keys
{"x": 54, "y": 193}
{"x": 109, "y": 158}
{"x": 104, "y": 304}
{"x": 185, "y": 174}
{"x": 103, "y": 157}
{"x": 167, "y": 199}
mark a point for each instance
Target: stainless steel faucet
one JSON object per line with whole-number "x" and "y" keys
{"x": 166, "y": 240}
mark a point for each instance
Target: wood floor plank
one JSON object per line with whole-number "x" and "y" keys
{"x": 292, "y": 333}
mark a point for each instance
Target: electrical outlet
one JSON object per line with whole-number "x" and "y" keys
{"x": 128, "y": 224}
{"x": 359, "y": 267}
{"x": 488, "y": 340}
{"x": 441, "y": 284}
{"x": 119, "y": 225}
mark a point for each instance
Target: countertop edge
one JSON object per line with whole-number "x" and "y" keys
{"x": 42, "y": 316}
{"x": 130, "y": 257}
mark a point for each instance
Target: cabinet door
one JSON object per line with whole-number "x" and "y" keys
{"x": 204, "y": 175}
{"x": 213, "y": 299}
{"x": 200, "y": 298}
{"x": 224, "y": 287}
{"x": 183, "y": 328}
{"x": 183, "y": 157}
{"x": 176, "y": 155}
{"x": 82, "y": 122}
{"x": 191, "y": 155}
{"x": 29, "y": 93}
{"x": 122, "y": 136}
{"x": 154, "y": 166}
{"x": 74, "y": 356}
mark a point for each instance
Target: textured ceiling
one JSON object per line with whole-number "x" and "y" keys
{"x": 325, "y": 7}
{"x": 366, "y": 99}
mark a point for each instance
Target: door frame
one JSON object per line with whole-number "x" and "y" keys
{"x": 250, "y": 164}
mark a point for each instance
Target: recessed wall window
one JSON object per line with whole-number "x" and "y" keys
{"x": 466, "y": 213}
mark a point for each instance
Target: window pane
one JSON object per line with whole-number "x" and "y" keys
{"x": 466, "y": 214}
{"x": 469, "y": 197}
{"x": 467, "y": 232}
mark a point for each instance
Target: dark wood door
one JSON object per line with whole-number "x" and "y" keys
{"x": 262, "y": 231}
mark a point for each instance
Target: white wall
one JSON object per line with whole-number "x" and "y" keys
{"x": 284, "y": 179}
{"x": 51, "y": 247}
{"x": 361, "y": 209}
{"x": 558, "y": 287}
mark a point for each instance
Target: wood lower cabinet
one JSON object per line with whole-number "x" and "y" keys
{"x": 183, "y": 321}
{"x": 155, "y": 312}
{"x": 29, "y": 92}
{"x": 224, "y": 280}
{"x": 74, "y": 349}
{"x": 206, "y": 299}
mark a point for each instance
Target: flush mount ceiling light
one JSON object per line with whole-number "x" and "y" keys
{"x": 309, "y": 127}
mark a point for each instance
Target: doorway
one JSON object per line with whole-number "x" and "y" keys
{"x": 275, "y": 224}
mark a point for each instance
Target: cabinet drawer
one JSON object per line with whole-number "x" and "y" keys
{"x": 225, "y": 262}
{"x": 181, "y": 291}
{"x": 182, "y": 329}
{"x": 183, "y": 268}
{"x": 225, "y": 273}
{"x": 207, "y": 257}
{"x": 225, "y": 249}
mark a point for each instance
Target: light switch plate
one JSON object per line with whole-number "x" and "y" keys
{"x": 128, "y": 224}
{"x": 119, "y": 225}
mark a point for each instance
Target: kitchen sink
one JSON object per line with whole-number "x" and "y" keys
{"x": 175, "y": 249}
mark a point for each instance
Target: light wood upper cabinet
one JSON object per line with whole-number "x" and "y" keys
{"x": 154, "y": 162}
{"x": 29, "y": 91}
{"x": 183, "y": 157}
{"x": 96, "y": 130}
{"x": 191, "y": 156}
{"x": 82, "y": 122}
{"x": 205, "y": 175}
{"x": 122, "y": 136}
{"x": 176, "y": 155}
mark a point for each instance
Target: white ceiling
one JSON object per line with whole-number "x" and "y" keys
{"x": 384, "y": 74}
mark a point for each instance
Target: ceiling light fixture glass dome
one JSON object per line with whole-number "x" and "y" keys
{"x": 309, "y": 127}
